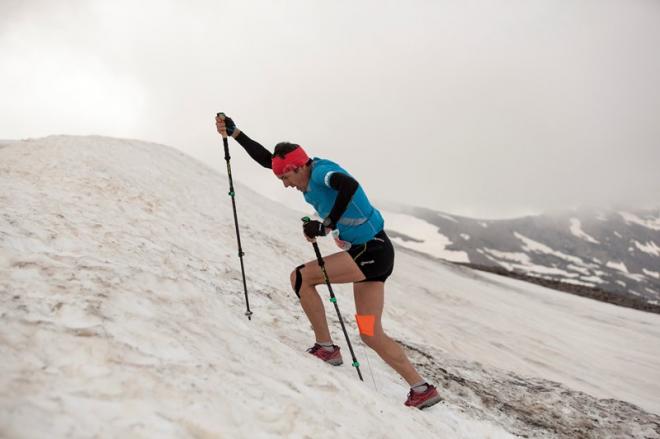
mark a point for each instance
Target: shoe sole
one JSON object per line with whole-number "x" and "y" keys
{"x": 335, "y": 362}
{"x": 430, "y": 402}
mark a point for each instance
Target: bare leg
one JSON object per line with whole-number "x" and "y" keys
{"x": 369, "y": 300}
{"x": 341, "y": 269}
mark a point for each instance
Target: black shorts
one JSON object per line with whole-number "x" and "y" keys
{"x": 375, "y": 258}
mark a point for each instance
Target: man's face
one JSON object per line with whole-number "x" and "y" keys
{"x": 296, "y": 178}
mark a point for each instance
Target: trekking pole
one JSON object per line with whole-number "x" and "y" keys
{"x": 248, "y": 313}
{"x": 333, "y": 299}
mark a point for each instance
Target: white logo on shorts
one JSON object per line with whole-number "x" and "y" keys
{"x": 366, "y": 262}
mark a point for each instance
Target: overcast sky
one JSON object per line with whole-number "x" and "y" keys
{"x": 483, "y": 108}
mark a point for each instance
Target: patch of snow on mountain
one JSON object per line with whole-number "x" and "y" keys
{"x": 447, "y": 217}
{"x": 433, "y": 242}
{"x": 550, "y": 270}
{"x": 522, "y": 258}
{"x": 465, "y": 236}
{"x": 653, "y": 224}
{"x": 535, "y": 246}
{"x": 516, "y": 261}
{"x": 654, "y": 274}
{"x": 637, "y": 277}
{"x": 579, "y": 282}
{"x": 582, "y": 270}
{"x": 650, "y": 247}
{"x": 618, "y": 266}
{"x": 592, "y": 279}
{"x": 576, "y": 229}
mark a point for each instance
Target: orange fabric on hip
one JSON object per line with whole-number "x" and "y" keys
{"x": 366, "y": 324}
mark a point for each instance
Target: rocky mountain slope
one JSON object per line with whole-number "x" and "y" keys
{"x": 617, "y": 252}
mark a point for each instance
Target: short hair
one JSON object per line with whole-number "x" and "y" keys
{"x": 283, "y": 148}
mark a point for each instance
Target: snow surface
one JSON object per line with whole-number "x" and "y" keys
{"x": 655, "y": 274}
{"x": 432, "y": 241}
{"x": 522, "y": 262}
{"x": 535, "y": 246}
{"x": 653, "y": 224}
{"x": 650, "y": 247}
{"x": 521, "y": 258}
{"x": 122, "y": 309}
{"x": 618, "y": 266}
{"x": 447, "y": 217}
{"x": 122, "y": 305}
{"x": 576, "y": 229}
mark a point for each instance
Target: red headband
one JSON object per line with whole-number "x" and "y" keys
{"x": 292, "y": 160}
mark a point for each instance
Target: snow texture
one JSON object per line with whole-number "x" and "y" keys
{"x": 426, "y": 237}
{"x": 650, "y": 247}
{"x": 576, "y": 229}
{"x": 618, "y": 266}
{"x": 650, "y": 223}
{"x": 121, "y": 315}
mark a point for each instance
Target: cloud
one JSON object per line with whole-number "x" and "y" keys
{"x": 461, "y": 107}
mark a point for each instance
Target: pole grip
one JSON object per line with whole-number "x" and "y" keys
{"x": 225, "y": 142}
{"x": 224, "y": 135}
{"x": 319, "y": 258}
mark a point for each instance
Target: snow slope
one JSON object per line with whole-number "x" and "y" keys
{"x": 121, "y": 308}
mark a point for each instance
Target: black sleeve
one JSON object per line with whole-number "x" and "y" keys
{"x": 258, "y": 153}
{"x": 346, "y": 186}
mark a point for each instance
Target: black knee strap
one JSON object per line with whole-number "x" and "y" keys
{"x": 298, "y": 284}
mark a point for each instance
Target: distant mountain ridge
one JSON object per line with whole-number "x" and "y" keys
{"x": 614, "y": 251}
